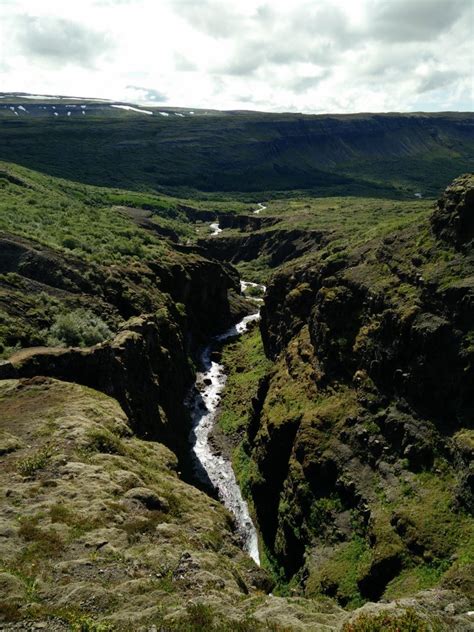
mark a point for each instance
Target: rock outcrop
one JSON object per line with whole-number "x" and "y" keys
{"x": 453, "y": 220}
{"x": 145, "y": 368}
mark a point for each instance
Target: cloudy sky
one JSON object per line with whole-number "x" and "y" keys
{"x": 274, "y": 55}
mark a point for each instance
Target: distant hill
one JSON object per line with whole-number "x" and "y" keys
{"x": 181, "y": 149}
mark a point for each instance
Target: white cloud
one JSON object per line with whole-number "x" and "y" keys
{"x": 330, "y": 55}
{"x": 59, "y": 41}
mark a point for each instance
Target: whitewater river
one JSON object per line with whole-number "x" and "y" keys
{"x": 216, "y": 229}
{"x": 203, "y": 402}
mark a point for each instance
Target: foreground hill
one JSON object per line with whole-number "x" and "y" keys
{"x": 178, "y": 149}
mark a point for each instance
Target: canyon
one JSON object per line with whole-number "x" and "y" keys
{"x": 346, "y": 410}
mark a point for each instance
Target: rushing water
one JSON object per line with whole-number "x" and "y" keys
{"x": 203, "y": 402}
{"x": 216, "y": 229}
{"x": 261, "y": 207}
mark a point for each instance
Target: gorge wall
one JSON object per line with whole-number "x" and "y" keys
{"x": 361, "y": 435}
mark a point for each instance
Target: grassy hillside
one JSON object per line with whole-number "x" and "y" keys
{"x": 244, "y": 152}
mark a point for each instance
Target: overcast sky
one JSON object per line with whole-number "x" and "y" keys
{"x": 274, "y": 55}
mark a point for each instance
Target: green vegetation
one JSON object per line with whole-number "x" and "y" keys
{"x": 62, "y": 215}
{"x": 388, "y": 621}
{"x": 246, "y": 365}
{"x": 251, "y": 153}
{"x": 35, "y": 462}
{"x": 79, "y": 328}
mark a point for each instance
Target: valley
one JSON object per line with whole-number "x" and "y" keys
{"x": 134, "y": 252}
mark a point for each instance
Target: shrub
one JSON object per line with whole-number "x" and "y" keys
{"x": 78, "y": 328}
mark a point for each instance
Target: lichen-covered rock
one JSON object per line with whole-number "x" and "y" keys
{"x": 453, "y": 221}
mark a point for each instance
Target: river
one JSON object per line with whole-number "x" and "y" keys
{"x": 203, "y": 403}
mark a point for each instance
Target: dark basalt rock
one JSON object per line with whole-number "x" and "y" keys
{"x": 145, "y": 368}
{"x": 381, "y": 571}
{"x": 453, "y": 221}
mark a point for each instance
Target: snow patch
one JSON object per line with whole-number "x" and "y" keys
{"x": 20, "y": 107}
{"x": 163, "y": 113}
{"x": 36, "y": 96}
{"x": 131, "y": 109}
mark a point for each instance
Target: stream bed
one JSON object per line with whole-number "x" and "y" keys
{"x": 203, "y": 403}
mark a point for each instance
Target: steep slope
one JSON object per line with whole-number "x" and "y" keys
{"x": 359, "y": 449}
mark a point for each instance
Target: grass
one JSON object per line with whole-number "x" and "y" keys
{"x": 31, "y": 465}
{"x": 61, "y": 215}
{"x": 246, "y": 365}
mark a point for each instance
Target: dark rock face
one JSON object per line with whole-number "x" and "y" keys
{"x": 246, "y": 223}
{"x": 277, "y": 245}
{"x": 145, "y": 368}
{"x": 453, "y": 221}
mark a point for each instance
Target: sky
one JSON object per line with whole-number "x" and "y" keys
{"x": 273, "y": 55}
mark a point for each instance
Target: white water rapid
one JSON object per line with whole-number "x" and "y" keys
{"x": 216, "y": 229}
{"x": 203, "y": 403}
{"x": 261, "y": 207}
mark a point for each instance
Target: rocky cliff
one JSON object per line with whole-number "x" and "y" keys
{"x": 361, "y": 436}
{"x": 159, "y": 312}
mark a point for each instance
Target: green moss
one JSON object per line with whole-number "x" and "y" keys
{"x": 246, "y": 364}
{"x": 339, "y": 575}
{"x": 387, "y": 621}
